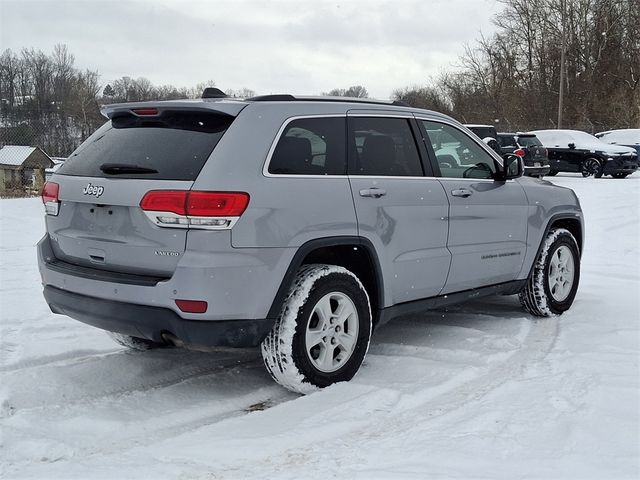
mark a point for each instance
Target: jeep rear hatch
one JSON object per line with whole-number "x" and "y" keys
{"x": 100, "y": 222}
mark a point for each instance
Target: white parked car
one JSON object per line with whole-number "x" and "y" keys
{"x": 628, "y": 137}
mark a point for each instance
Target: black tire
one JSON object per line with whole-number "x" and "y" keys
{"x": 591, "y": 166}
{"x": 284, "y": 350}
{"x": 620, "y": 175}
{"x": 537, "y": 296}
{"x": 552, "y": 173}
{"x": 135, "y": 343}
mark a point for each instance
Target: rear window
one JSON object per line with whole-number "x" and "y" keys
{"x": 529, "y": 140}
{"x": 173, "y": 146}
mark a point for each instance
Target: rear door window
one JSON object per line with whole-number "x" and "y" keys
{"x": 172, "y": 146}
{"x": 311, "y": 146}
{"x": 383, "y": 147}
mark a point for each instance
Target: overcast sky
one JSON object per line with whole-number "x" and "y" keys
{"x": 299, "y": 47}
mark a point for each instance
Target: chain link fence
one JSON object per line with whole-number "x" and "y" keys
{"x": 31, "y": 149}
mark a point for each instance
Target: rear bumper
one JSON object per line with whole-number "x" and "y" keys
{"x": 151, "y": 322}
{"x": 237, "y": 284}
{"x": 536, "y": 171}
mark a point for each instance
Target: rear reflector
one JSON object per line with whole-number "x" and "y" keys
{"x": 50, "y": 197}
{"x": 192, "y": 306}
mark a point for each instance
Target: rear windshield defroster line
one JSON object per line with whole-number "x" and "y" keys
{"x": 175, "y": 145}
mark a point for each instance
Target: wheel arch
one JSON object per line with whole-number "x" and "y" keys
{"x": 569, "y": 221}
{"x": 354, "y": 253}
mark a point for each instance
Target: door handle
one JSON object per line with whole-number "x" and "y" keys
{"x": 461, "y": 192}
{"x": 373, "y": 192}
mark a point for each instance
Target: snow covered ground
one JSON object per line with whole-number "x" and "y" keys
{"x": 479, "y": 391}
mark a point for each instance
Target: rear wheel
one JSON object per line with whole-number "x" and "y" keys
{"x": 553, "y": 284}
{"x": 323, "y": 331}
{"x": 620, "y": 175}
{"x": 591, "y": 166}
{"x": 134, "y": 343}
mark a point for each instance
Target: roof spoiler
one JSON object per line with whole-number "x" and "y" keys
{"x": 152, "y": 109}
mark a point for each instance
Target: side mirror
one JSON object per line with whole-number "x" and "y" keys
{"x": 572, "y": 145}
{"x": 493, "y": 144}
{"x": 512, "y": 167}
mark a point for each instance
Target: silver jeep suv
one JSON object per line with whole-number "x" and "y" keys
{"x": 296, "y": 224}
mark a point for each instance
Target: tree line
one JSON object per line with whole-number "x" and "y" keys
{"x": 46, "y": 101}
{"x": 510, "y": 78}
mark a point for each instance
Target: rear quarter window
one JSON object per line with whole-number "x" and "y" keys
{"x": 311, "y": 146}
{"x": 172, "y": 146}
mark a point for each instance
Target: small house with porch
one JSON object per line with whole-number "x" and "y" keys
{"x": 22, "y": 168}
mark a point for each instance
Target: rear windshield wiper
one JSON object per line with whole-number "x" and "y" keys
{"x": 124, "y": 168}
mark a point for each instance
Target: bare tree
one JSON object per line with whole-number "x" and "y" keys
{"x": 355, "y": 91}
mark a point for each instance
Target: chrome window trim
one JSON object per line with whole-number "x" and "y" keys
{"x": 272, "y": 148}
{"x": 401, "y": 116}
{"x": 288, "y": 120}
{"x": 265, "y": 168}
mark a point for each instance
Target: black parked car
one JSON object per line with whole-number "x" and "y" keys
{"x": 576, "y": 151}
{"x": 527, "y": 146}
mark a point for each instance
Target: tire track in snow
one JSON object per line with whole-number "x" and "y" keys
{"x": 155, "y": 374}
{"x": 396, "y": 416}
{"x": 91, "y": 378}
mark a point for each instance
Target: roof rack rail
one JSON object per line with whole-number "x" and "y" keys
{"x": 285, "y": 97}
{"x": 279, "y": 97}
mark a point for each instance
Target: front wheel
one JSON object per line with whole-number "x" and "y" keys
{"x": 322, "y": 333}
{"x": 591, "y": 166}
{"x": 553, "y": 284}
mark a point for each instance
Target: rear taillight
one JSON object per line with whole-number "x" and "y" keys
{"x": 174, "y": 201}
{"x": 519, "y": 152}
{"x": 50, "y": 193}
{"x": 195, "y": 209}
{"x": 213, "y": 204}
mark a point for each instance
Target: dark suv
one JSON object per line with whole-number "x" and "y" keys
{"x": 527, "y": 146}
{"x": 576, "y": 151}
